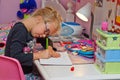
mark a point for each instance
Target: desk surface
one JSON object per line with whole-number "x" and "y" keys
{"x": 83, "y": 72}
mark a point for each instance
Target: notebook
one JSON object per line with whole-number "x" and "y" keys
{"x": 62, "y": 60}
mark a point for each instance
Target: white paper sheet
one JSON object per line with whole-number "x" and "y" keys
{"x": 62, "y": 60}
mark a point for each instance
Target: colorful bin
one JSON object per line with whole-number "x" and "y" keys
{"x": 108, "y": 40}
{"x": 108, "y": 54}
{"x": 107, "y": 67}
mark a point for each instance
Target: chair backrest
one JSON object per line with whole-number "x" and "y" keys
{"x": 10, "y": 69}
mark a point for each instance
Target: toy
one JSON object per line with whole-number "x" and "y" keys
{"x": 104, "y": 26}
{"x": 106, "y": 38}
{"x": 107, "y": 67}
{"x": 26, "y": 8}
{"x": 83, "y": 48}
{"x": 2, "y": 44}
{"x": 2, "y": 47}
{"x": 113, "y": 30}
{"x": 107, "y": 55}
{"x": 72, "y": 68}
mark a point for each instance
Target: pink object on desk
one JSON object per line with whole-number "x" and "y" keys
{"x": 104, "y": 26}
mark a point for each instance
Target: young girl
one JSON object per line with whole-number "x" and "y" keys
{"x": 21, "y": 39}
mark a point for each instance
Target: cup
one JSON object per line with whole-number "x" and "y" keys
{"x": 104, "y": 26}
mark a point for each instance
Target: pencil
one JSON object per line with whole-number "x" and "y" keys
{"x": 46, "y": 43}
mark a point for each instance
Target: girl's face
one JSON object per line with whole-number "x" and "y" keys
{"x": 43, "y": 29}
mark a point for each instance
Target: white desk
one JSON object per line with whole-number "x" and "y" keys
{"x": 81, "y": 72}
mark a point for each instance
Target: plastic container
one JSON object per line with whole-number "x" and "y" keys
{"x": 71, "y": 28}
{"x": 83, "y": 48}
{"x": 107, "y": 67}
{"x": 108, "y": 40}
{"x": 108, "y": 54}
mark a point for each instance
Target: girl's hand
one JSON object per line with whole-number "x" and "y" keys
{"x": 53, "y": 53}
{"x": 43, "y": 54}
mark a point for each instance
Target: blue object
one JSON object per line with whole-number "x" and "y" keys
{"x": 87, "y": 54}
{"x": 20, "y": 14}
{"x": 29, "y": 6}
{"x": 66, "y": 31}
{"x": 71, "y": 28}
{"x": 109, "y": 55}
{"x": 70, "y": 23}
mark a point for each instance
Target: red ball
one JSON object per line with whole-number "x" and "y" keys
{"x": 72, "y": 68}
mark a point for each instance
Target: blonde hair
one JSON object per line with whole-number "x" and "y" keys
{"x": 49, "y": 15}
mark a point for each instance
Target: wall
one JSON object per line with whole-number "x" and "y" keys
{"x": 8, "y": 9}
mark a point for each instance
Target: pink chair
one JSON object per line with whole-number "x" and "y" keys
{"x": 10, "y": 69}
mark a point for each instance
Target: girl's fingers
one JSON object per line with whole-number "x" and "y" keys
{"x": 53, "y": 53}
